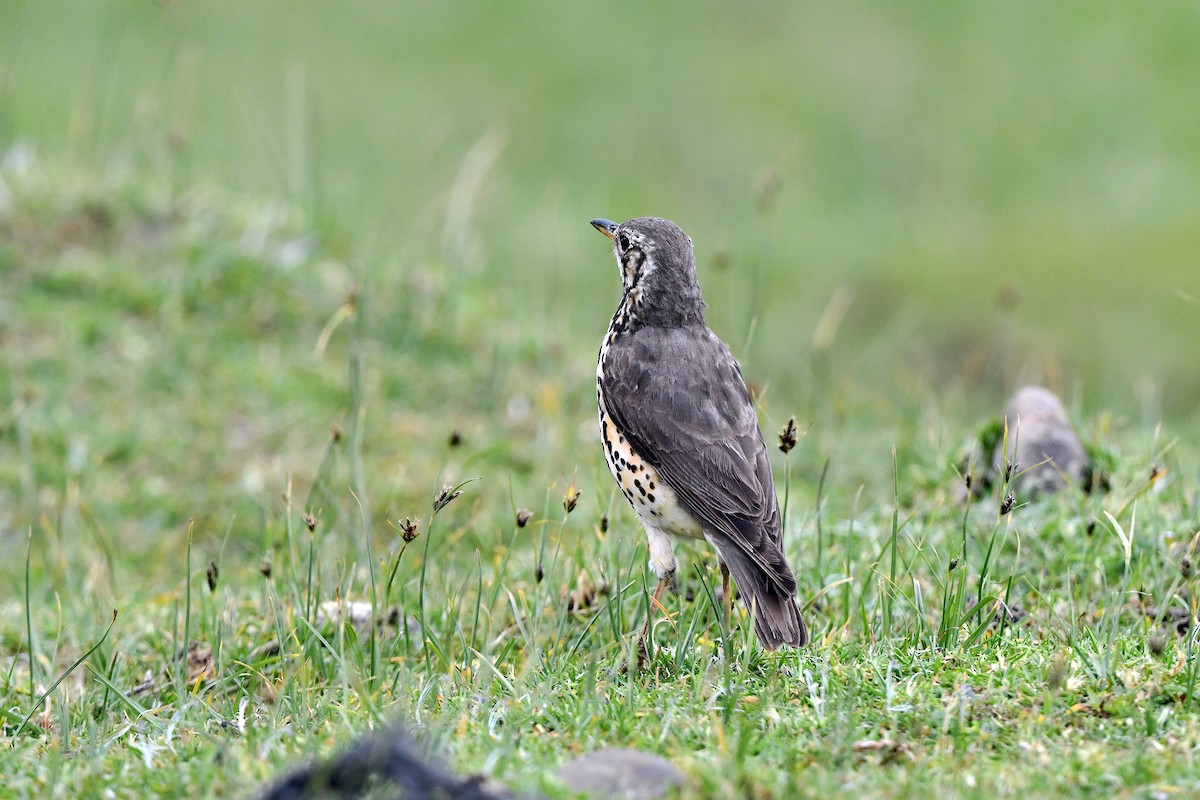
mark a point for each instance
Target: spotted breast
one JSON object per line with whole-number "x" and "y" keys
{"x": 655, "y": 503}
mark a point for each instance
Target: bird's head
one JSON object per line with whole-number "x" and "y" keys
{"x": 658, "y": 270}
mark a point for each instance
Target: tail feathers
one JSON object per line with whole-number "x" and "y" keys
{"x": 777, "y": 622}
{"x": 777, "y": 619}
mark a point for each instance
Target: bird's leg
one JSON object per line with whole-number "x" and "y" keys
{"x": 643, "y": 652}
{"x": 662, "y": 561}
{"x": 726, "y": 595}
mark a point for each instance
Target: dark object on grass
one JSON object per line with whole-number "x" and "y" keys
{"x": 1178, "y": 618}
{"x": 388, "y": 765}
{"x": 1041, "y": 443}
{"x": 616, "y": 773}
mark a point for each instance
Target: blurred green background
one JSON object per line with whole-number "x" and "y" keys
{"x": 991, "y": 192}
{"x": 901, "y": 214}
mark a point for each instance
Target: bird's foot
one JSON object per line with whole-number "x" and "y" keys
{"x": 642, "y": 651}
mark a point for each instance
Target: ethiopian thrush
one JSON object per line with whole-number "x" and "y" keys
{"x": 680, "y": 434}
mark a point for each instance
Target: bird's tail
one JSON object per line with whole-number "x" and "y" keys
{"x": 777, "y": 619}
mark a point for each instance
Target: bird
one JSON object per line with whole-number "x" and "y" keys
{"x": 680, "y": 433}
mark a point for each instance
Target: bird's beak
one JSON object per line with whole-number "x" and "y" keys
{"x": 605, "y": 226}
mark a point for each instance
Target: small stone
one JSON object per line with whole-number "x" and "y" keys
{"x": 1042, "y": 443}
{"x": 358, "y": 613}
{"x": 621, "y": 774}
{"x": 201, "y": 668}
{"x": 584, "y": 595}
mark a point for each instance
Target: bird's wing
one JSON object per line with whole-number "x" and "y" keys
{"x": 683, "y": 405}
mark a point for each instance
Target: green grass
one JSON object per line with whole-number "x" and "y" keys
{"x": 170, "y": 408}
{"x": 258, "y": 265}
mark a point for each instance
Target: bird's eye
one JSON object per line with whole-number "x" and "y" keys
{"x": 623, "y": 241}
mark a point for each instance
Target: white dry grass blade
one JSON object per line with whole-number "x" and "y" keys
{"x": 464, "y": 193}
{"x": 1126, "y": 538}
{"x": 487, "y": 662}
